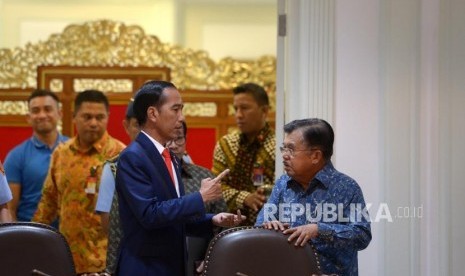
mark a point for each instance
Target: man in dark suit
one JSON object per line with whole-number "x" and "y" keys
{"x": 155, "y": 213}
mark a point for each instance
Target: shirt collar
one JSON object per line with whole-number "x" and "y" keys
{"x": 99, "y": 145}
{"x": 39, "y": 144}
{"x": 323, "y": 177}
{"x": 259, "y": 139}
{"x": 159, "y": 146}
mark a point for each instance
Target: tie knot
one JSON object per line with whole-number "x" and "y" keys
{"x": 166, "y": 154}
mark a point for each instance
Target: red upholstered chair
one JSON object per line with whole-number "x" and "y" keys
{"x": 254, "y": 251}
{"x": 32, "y": 248}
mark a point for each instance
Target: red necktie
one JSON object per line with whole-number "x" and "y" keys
{"x": 167, "y": 157}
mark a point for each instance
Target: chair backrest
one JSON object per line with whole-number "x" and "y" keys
{"x": 254, "y": 251}
{"x": 196, "y": 250}
{"x": 27, "y": 246}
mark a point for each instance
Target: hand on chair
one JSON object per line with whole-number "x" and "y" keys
{"x": 276, "y": 225}
{"x": 200, "y": 268}
{"x": 302, "y": 233}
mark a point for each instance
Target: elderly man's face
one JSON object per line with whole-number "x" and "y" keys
{"x": 299, "y": 159}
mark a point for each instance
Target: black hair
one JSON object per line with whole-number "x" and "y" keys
{"x": 316, "y": 133}
{"x": 93, "y": 96}
{"x": 42, "y": 93}
{"x": 150, "y": 94}
{"x": 130, "y": 111}
{"x": 257, "y": 92}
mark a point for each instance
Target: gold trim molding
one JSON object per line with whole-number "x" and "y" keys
{"x": 56, "y": 85}
{"x": 13, "y": 108}
{"x": 114, "y": 85}
{"x": 110, "y": 43}
{"x": 207, "y": 109}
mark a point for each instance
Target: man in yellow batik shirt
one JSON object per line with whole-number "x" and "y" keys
{"x": 249, "y": 153}
{"x": 71, "y": 187}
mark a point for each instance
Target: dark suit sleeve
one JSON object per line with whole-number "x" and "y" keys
{"x": 201, "y": 228}
{"x": 142, "y": 194}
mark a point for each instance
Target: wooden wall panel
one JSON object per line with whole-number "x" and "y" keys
{"x": 79, "y": 58}
{"x": 209, "y": 113}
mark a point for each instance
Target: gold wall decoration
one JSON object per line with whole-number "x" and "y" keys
{"x": 13, "y": 108}
{"x": 56, "y": 85}
{"x": 113, "y": 85}
{"x": 231, "y": 110}
{"x": 200, "y": 109}
{"x": 110, "y": 43}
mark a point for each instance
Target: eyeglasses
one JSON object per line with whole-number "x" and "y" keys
{"x": 292, "y": 152}
{"x": 179, "y": 141}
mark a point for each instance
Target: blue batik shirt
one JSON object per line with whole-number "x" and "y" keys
{"x": 335, "y": 202}
{"x": 27, "y": 164}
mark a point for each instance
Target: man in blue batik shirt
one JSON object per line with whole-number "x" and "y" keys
{"x": 314, "y": 202}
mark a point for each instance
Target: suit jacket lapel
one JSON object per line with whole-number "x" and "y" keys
{"x": 158, "y": 162}
{"x": 178, "y": 169}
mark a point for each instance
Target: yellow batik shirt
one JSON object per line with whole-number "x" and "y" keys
{"x": 237, "y": 185}
{"x": 70, "y": 193}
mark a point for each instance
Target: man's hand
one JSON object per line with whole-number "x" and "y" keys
{"x": 228, "y": 219}
{"x": 105, "y": 220}
{"x": 276, "y": 225}
{"x": 255, "y": 200}
{"x": 201, "y": 267}
{"x": 303, "y": 233}
{"x": 210, "y": 189}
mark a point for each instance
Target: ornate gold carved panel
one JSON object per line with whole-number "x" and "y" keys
{"x": 207, "y": 109}
{"x": 118, "y": 83}
{"x": 13, "y": 107}
{"x": 118, "y": 59}
{"x": 114, "y": 44}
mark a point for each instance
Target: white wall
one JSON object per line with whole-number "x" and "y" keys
{"x": 399, "y": 78}
{"x": 452, "y": 136}
{"x": 241, "y": 31}
{"x": 358, "y": 111}
{"x": 156, "y": 17}
{"x": 218, "y": 27}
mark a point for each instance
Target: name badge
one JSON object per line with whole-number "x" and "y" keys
{"x": 91, "y": 182}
